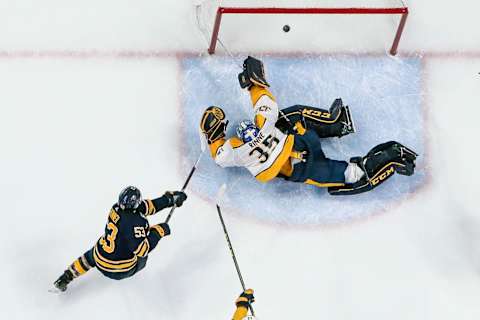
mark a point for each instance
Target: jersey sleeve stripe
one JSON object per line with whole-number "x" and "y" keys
{"x": 235, "y": 142}
{"x": 215, "y": 145}
{"x": 150, "y": 207}
{"x": 145, "y": 249}
{"x": 159, "y": 230}
{"x": 256, "y": 92}
{"x": 260, "y": 120}
{"x": 142, "y": 248}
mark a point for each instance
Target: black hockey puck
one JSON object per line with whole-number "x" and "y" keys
{"x": 286, "y": 28}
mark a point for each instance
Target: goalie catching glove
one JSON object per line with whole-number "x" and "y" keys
{"x": 253, "y": 74}
{"x": 213, "y": 124}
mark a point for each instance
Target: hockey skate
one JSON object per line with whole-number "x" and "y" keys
{"x": 337, "y": 109}
{"x": 63, "y": 281}
{"x": 378, "y": 165}
{"x": 348, "y": 124}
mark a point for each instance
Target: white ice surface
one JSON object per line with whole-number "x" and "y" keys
{"x": 75, "y": 131}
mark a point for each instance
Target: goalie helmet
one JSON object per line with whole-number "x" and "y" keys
{"x": 129, "y": 198}
{"x": 247, "y": 131}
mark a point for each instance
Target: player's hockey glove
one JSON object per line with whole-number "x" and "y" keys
{"x": 253, "y": 74}
{"x": 245, "y": 299}
{"x": 213, "y": 124}
{"x": 175, "y": 198}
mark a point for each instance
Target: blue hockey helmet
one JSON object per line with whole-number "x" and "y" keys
{"x": 129, "y": 198}
{"x": 247, "y": 131}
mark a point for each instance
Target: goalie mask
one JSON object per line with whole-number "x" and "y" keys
{"x": 247, "y": 131}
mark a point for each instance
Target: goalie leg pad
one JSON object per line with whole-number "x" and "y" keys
{"x": 340, "y": 125}
{"x": 335, "y": 122}
{"x": 379, "y": 165}
{"x": 392, "y": 151}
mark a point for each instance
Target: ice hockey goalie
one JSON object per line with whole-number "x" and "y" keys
{"x": 287, "y": 143}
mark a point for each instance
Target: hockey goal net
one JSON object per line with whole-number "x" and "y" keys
{"x": 320, "y": 22}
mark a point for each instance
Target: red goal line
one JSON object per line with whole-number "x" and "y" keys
{"x": 239, "y": 10}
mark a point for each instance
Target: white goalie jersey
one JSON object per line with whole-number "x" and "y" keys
{"x": 264, "y": 156}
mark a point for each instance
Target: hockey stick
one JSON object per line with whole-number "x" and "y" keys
{"x": 204, "y": 147}
{"x": 230, "y": 247}
{"x": 184, "y": 186}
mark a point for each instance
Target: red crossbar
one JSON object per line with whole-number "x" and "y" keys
{"x": 229, "y": 10}
{"x": 313, "y": 10}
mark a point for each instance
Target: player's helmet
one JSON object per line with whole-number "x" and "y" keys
{"x": 129, "y": 198}
{"x": 247, "y": 131}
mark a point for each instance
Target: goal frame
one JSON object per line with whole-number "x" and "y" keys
{"x": 403, "y": 11}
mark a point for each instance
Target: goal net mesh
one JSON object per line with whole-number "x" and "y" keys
{"x": 340, "y": 18}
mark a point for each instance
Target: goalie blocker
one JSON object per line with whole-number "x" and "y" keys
{"x": 379, "y": 165}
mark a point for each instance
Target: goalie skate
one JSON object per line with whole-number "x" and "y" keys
{"x": 348, "y": 124}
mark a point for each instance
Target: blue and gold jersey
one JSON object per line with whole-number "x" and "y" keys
{"x": 128, "y": 236}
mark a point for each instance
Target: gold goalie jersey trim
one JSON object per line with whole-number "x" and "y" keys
{"x": 267, "y": 153}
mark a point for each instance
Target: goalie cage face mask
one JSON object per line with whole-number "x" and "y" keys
{"x": 247, "y": 131}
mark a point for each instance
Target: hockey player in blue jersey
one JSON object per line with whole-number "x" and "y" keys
{"x": 123, "y": 249}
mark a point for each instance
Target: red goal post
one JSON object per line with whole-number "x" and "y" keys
{"x": 401, "y": 10}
